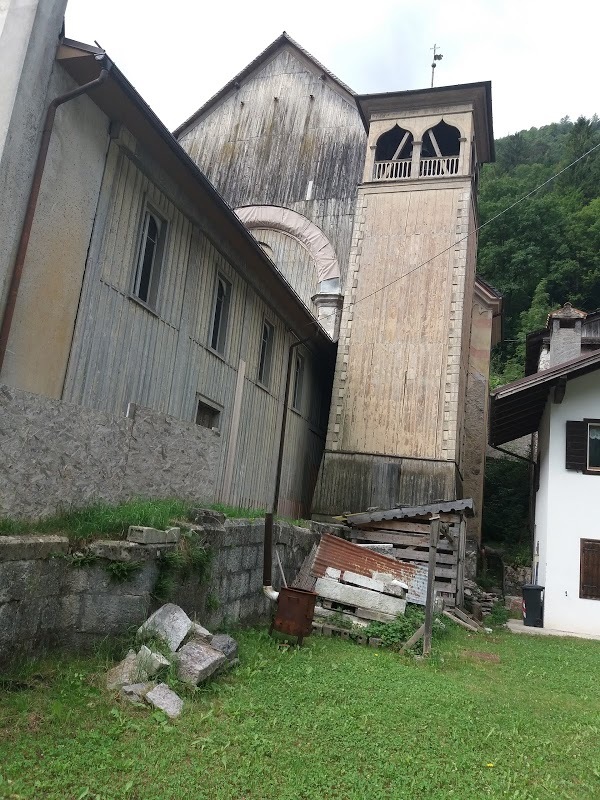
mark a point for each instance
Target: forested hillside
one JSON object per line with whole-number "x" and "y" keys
{"x": 546, "y": 250}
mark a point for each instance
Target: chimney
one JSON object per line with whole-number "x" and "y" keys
{"x": 565, "y": 334}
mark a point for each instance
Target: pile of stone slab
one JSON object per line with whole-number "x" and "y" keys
{"x": 194, "y": 653}
{"x": 358, "y": 598}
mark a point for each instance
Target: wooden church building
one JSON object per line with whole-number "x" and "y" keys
{"x": 152, "y": 286}
{"x": 368, "y": 206}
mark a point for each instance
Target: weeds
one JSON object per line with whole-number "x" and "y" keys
{"x": 122, "y": 571}
{"x": 327, "y": 720}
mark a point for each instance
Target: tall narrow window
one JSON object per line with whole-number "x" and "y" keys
{"x": 298, "y": 382}
{"x": 218, "y": 336}
{"x": 266, "y": 354}
{"x": 593, "y": 457}
{"x": 150, "y": 257}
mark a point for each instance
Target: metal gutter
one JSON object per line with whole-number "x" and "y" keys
{"x": 38, "y": 173}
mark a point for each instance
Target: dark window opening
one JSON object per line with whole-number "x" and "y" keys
{"x": 593, "y": 459}
{"x": 150, "y": 258}
{"x": 207, "y": 416}
{"x": 583, "y": 446}
{"x": 298, "y": 383}
{"x": 442, "y": 140}
{"x": 266, "y": 354}
{"x": 394, "y": 144}
{"x": 218, "y": 335}
{"x": 589, "y": 574}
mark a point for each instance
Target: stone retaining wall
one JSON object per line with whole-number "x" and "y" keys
{"x": 57, "y": 455}
{"x": 46, "y": 600}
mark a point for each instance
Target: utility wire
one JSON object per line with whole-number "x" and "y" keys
{"x": 466, "y": 236}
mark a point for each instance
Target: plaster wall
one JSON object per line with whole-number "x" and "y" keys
{"x": 29, "y": 31}
{"x": 476, "y": 413}
{"x": 56, "y": 455}
{"x": 566, "y": 512}
{"x": 42, "y": 328}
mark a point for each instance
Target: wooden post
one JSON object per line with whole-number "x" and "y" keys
{"x": 433, "y": 541}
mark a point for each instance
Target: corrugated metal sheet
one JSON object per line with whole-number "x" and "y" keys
{"x": 410, "y": 512}
{"x": 340, "y": 554}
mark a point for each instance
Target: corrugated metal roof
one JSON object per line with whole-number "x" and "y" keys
{"x": 407, "y": 512}
{"x": 343, "y": 555}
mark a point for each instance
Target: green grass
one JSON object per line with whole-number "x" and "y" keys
{"x": 502, "y": 716}
{"x": 102, "y": 519}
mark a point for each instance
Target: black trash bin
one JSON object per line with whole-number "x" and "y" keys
{"x": 533, "y": 605}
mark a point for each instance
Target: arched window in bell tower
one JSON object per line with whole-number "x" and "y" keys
{"x": 393, "y": 154}
{"x": 440, "y": 150}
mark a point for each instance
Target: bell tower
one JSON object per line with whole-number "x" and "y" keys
{"x": 396, "y": 424}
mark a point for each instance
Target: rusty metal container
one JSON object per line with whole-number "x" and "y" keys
{"x": 295, "y": 611}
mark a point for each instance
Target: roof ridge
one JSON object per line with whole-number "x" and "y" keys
{"x": 283, "y": 38}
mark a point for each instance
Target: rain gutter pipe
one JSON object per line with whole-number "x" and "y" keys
{"x": 17, "y": 270}
{"x": 268, "y": 541}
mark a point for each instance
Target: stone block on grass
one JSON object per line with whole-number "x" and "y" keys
{"x": 200, "y": 633}
{"x": 143, "y": 535}
{"x": 151, "y": 662}
{"x": 165, "y": 699}
{"x": 226, "y": 644}
{"x": 124, "y": 673}
{"x": 197, "y": 661}
{"x": 170, "y": 623}
{"x": 136, "y": 692}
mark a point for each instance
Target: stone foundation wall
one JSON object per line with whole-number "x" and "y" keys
{"x": 57, "y": 455}
{"x": 47, "y": 600}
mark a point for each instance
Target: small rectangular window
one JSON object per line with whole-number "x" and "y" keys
{"x": 593, "y": 449}
{"x": 218, "y": 335}
{"x": 266, "y": 354}
{"x": 589, "y": 581}
{"x": 207, "y": 416}
{"x": 298, "y": 382}
{"x": 583, "y": 446}
{"x": 150, "y": 257}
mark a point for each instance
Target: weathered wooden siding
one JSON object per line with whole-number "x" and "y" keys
{"x": 122, "y": 353}
{"x": 287, "y": 138}
{"x": 398, "y": 341}
{"x": 294, "y": 261}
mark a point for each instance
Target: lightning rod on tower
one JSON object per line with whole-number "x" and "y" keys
{"x": 436, "y": 57}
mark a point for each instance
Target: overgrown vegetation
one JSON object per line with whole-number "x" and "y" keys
{"x": 395, "y": 634}
{"x": 506, "y": 509}
{"x": 499, "y": 716}
{"x": 103, "y": 519}
{"x": 190, "y": 558}
{"x": 546, "y": 250}
{"x": 122, "y": 571}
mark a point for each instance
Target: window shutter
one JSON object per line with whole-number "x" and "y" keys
{"x": 576, "y": 446}
{"x": 590, "y": 569}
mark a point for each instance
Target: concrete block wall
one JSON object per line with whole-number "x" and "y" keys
{"x": 57, "y": 455}
{"x": 46, "y": 600}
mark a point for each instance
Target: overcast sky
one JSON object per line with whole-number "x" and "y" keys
{"x": 539, "y": 54}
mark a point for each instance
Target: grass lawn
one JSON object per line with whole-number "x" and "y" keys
{"x": 503, "y": 716}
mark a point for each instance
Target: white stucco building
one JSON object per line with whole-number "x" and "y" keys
{"x": 562, "y": 402}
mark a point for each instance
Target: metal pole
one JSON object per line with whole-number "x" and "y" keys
{"x": 269, "y": 517}
{"x": 433, "y": 541}
{"x": 17, "y": 270}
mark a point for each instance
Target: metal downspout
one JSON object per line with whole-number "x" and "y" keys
{"x": 268, "y": 541}
{"x": 17, "y": 271}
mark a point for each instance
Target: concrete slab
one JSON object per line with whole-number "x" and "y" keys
{"x": 516, "y": 626}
